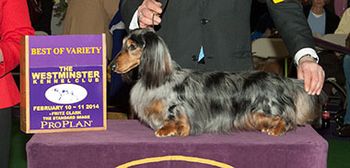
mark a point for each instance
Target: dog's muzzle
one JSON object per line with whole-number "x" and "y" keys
{"x": 112, "y": 64}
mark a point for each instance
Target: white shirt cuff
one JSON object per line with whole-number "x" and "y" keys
{"x": 304, "y": 51}
{"x": 134, "y": 24}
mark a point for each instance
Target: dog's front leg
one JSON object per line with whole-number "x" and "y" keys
{"x": 174, "y": 126}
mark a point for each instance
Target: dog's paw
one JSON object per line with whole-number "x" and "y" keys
{"x": 271, "y": 125}
{"x": 274, "y": 131}
{"x": 165, "y": 132}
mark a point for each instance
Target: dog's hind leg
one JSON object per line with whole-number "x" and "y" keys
{"x": 270, "y": 124}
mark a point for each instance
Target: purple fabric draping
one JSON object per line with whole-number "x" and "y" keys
{"x": 128, "y": 140}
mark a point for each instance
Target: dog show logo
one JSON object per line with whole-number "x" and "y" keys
{"x": 195, "y": 160}
{"x": 66, "y": 93}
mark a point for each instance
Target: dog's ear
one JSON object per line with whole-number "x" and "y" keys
{"x": 155, "y": 61}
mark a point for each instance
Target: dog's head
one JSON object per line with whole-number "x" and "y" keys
{"x": 130, "y": 54}
{"x": 144, "y": 49}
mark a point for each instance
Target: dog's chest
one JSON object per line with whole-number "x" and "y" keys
{"x": 141, "y": 98}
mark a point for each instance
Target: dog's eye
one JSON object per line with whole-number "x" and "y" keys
{"x": 131, "y": 47}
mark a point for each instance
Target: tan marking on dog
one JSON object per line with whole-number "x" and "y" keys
{"x": 279, "y": 129}
{"x": 272, "y": 125}
{"x": 156, "y": 107}
{"x": 129, "y": 42}
{"x": 134, "y": 52}
{"x": 168, "y": 129}
{"x": 177, "y": 127}
{"x": 261, "y": 121}
{"x": 183, "y": 125}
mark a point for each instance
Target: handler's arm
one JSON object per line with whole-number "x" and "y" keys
{"x": 290, "y": 21}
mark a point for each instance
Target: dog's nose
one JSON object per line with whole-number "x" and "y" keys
{"x": 114, "y": 63}
{"x": 113, "y": 67}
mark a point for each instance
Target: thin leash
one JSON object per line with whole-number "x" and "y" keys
{"x": 152, "y": 27}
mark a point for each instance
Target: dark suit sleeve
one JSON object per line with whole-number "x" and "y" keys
{"x": 292, "y": 25}
{"x": 127, "y": 9}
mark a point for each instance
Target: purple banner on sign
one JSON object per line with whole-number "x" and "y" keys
{"x": 46, "y": 51}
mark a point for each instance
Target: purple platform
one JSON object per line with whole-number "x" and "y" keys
{"x": 128, "y": 140}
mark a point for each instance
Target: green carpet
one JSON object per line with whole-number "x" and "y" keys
{"x": 18, "y": 157}
{"x": 338, "y": 153}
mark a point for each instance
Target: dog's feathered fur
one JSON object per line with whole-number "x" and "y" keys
{"x": 181, "y": 102}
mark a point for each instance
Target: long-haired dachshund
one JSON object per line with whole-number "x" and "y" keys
{"x": 182, "y": 102}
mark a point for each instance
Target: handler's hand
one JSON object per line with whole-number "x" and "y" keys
{"x": 149, "y": 13}
{"x": 312, "y": 74}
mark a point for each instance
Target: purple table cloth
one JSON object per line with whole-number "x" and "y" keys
{"x": 126, "y": 141}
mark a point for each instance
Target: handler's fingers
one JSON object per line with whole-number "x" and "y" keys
{"x": 145, "y": 21}
{"x": 307, "y": 76}
{"x": 143, "y": 25}
{"x": 153, "y": 5}
{"x": 149, "y": 7}
{"x": 314, "y": 83}
{"x": 321, "y": 75}
{"x": 148, "y": 13}
{"x": 317, "y": 79}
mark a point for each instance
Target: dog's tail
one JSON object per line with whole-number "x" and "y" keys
{"x": 308, "y": 107}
